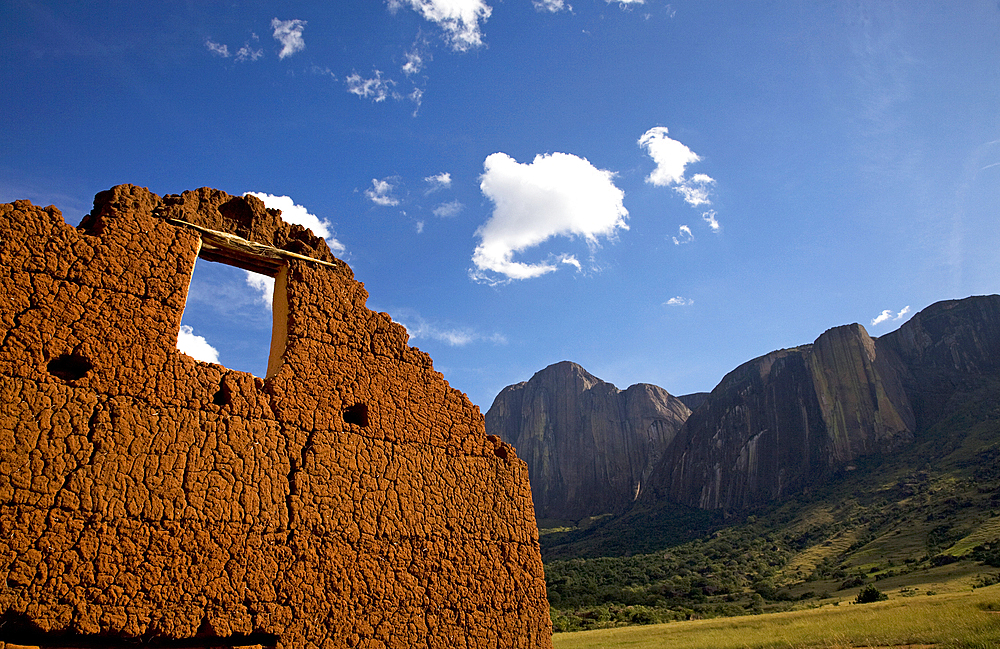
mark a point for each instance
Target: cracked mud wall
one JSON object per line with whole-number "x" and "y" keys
{"x": 350, "y": 499}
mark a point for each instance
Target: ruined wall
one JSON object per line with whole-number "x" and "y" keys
{"x": 351, "y": 498}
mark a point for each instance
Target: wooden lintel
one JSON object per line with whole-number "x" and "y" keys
{"x": 239, "y": 252}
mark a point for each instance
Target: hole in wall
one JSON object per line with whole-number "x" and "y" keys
{"x": 357, "y": 415}
{"x": 69, "y": 367}
{"x": 221, "y": 397}
{"x": 232, "y": 316}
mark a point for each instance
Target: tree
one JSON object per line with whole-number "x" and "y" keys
{"x": 870, "y": 594}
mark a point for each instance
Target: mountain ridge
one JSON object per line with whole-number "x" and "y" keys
{"x": 590, "y": 446}
{"x": 777, "y": 425}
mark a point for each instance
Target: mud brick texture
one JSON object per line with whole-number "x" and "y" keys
{"x": 350, "y": 499}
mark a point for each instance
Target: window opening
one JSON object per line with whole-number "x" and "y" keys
{"x": 235, "y": 315}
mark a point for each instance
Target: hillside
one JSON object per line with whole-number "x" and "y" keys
{"x": 819, "y": 469}
{"x": 908, "y": 523}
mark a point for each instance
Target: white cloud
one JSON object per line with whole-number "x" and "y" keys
{"x": 713, "y": 222}
{"x": 669, "y": 155}
{"x": 264, "y": 285}
{"x": 247, "y": 53}
{"x": 377, "y": 88}
{"x": 289, "y": 34}
{"x": 458, "y": 18}
{"x": 555, "y": 6}
{"x": 626, "y": 3}
{"x": 381, "y": 193}
{"x": 570, "y": 260}
{"x": 448, "y": 210}
{"x": 557, "y": 194}
{"x": 671, "y": 158}
{"x": 695, "y": 189}
{"x": 419, "y": 328}
{"x": 679, "y": 301}
{"x": 297, "y": 214}
{"x": 440, "y": 181}
{"x": 414, "y": 62}
{"x": 196, "y": 346}
{"x": 882, "y": 317}
{"x": 323, "y": 71}
{"x": 417, "y": 97}
{"x": 887, "y": 315}
{"x": 220, "y": 49}
{"x": 684, "y": 234}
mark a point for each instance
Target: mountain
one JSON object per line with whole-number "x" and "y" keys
{"x": 844, "y": 464}
{"x": 786, "y": 421}
{"x": 590, "y": 447}
{"x": 779, "y": 425}
{"x": 948, "y": 350}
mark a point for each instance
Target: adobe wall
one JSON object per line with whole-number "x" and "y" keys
{"x": 350, "y": 499}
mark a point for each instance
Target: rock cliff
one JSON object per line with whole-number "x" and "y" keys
{"x": 350, "y": 498}
{"x": 781, "y": 422}
{"x": 590, "y": 447}
{"x": 946, "y": 348}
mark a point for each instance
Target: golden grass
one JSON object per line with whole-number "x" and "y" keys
{"x": 807, "y": 560}
{"x": 986, "y": 532}
{"x": 967, "y": 620}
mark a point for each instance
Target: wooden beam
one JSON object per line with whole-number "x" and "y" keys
{"x": 248, "y": 255}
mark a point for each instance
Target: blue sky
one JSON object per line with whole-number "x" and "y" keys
{"x": 656, "y": 191}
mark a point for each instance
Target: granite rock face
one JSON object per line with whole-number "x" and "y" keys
{"x": 351, "y": 498}
{"x": 781, "y": 422}
{"x": 946, "y": 348}
{"x": 590, "y": 447}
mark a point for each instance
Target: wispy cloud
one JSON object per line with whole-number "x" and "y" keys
{"x": 695, "y": 190}
{"x": 887, "y": 315}
{"x": 683, "y": 235}
{"x": 376, "y": 88}
{"x": 555, "y": 195}
{"x": 672, "y": 158}
{"x": 244, "y": 54}
{"x": 454, "y": 336}
{"x": 709, "y": 217}
{"x": 381, "y": 193}
{"x": 196, "y": 346}
{"x": 438, "y": 181}
{"x": 554, "y": 6}
{"x": 247, "y": 53}
{"x": 679, "y": 301}
{"x": 414, "y": 62}
{"x": 299, "y": 215}
{"x": 417, "y": 97}
{"x": 460, "y": 19}
{"x": 448, "y": 210}
{"x": 626, "y": 3}
{"x": 289, "y": 34}
{"x": 219, "y": 49}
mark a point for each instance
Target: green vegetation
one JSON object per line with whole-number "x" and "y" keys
{"x": 962, "y": 620}
{"x": 925, "y": 520}
{"x": 870, "y": 594}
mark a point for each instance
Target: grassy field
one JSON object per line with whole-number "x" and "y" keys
{"x": 910, "y": 523}
{"x": 955, "y": 620}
